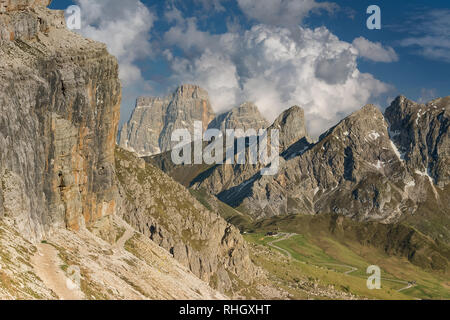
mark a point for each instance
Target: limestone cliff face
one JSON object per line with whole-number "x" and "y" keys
{"x": 15, "y": 5}
{"x": 151, "y": 125}
{"x": 422, "y": 134}
{"x": 245, "y": 117}
{"x": 59, "y": 112}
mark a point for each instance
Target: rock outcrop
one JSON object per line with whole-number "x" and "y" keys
{"x": 422, "y": 134}
{"x": 291, "y": 124}
{"x": 59, "y": 111}
{"x": 244, "y": 117}
{"x": 167, "y": 213}
{"x": 16, "y": 5}
{"x": 151, "y": 125}
{"x": 134, "y": 268}
{"x": 218, "y": 178}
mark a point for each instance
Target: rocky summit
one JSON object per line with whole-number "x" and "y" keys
{"x": 151, "y": 125}
{"x": 149, "y": 130}
{"x": 244, "y": 117}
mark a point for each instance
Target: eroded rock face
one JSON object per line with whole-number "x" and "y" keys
{"x": 356, "y": 170}
{"x": 244, "y": 117}
{"x": 151, "y": 125}
{"x": 291, "y": 124}
{"x": 16, "y": 5}
{"x": 292, "y": 129}
{"x": 59, "y": 112}
{"x": 422, "y": 134}
{"x": 167, "y": 213}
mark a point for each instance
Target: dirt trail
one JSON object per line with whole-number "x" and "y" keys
{"x": 47, "y": 266}
{"x": 120, "y": 244}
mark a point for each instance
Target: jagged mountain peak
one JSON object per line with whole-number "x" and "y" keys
{"x": 154, "y": 119}
{"x": 292, "y": 112}
{"x": 245, "y": 108}
{"x": 246, "y": 116}
{"x": 291, "y": 124}
{"x": 367, "y": 119}
{"x": 191, "y": 91}
{"x": 421, "y": 133}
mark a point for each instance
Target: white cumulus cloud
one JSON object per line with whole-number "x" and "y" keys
{"x": 374, "y": 51}
{"x": 124, "y": 27}
{"x": 275, "y": 67}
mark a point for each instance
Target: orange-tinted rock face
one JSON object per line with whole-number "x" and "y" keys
{"x": 60, "y": 103}
{"x": 84, "y": 141}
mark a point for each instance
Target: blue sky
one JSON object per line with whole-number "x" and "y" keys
{"x": 299, "y": 52}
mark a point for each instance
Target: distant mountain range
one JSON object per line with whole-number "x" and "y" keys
{"x": 369, "y": 167}
{"x": 149, "y": 129}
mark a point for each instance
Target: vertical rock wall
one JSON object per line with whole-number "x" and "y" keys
{"x": 59, "y": 112}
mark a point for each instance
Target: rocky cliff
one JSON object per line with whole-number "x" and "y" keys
{"x": 218, "y": 178}
{"x": 151, "y": 125}
{"x": 148, "y": 132}
{"x": 421, "y": 132}
{"x": 167, "y": 213}
{"x": 245, "y": 117}
{"x": 59, "y": 102}
{"x": 59, "y": 113}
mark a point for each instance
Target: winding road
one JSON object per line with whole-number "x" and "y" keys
{"x": 286, "y": 236}
{"x": 352, "y": 269}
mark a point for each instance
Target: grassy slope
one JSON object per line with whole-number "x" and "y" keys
{"x": 321, "y": 254}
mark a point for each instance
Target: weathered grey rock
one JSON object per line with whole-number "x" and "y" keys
{"x": 16, "y": 5}
{"x": 165, "y": 211}
{"x": 244, "y": 117}
{"x": 292, "y": 128}
{"x": 151, "y": 125}
{"x": 421, "y": 132}
{"x": 291, "y": 124}
{"x": 354, "y": 170}
{"x": 59, "y": 111}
